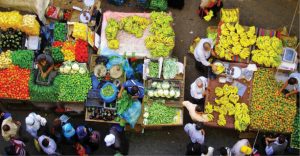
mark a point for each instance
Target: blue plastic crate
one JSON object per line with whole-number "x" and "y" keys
{"x": 94, "y": 94}
{"x": 143, "y": 3}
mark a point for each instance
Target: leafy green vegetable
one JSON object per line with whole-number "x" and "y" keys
{"x": 107, "y": 91}
{"x": 124, "y": 102}
{"x": 161, "y": 114}
{"x": 72, "y": 88}
{"x": 60, "y": 31}
{"x": 153, "y": 69}
{"x": 170, "y": 68}
{"x": 40, "y": 93}
{"x": 57, "y": 55}
{"x": 295, "y": 141}
{"x": 22, "y": 58}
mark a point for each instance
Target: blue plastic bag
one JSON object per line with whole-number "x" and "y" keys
{"x": 132, "y": 114}
{"x": 95, "y": 82}
{"x": 117, "y": 59}
{"x": 111, "y": 98}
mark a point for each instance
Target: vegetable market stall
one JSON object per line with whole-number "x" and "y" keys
{"x": 270, "y": 112}
{"x": 228, "y": 100}
{"x": 162, "y": 104}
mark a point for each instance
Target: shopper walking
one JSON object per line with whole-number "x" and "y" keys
{"x": 47, "y": 144}
{"x": 69, "y": 133}
{"x": 276, "y": 146}
{"x": 56, "y": 131}
{"x": 33, "y": 124}
{"x": 94, "y": 140}
{"x": 241, "y": 148}
{"x": 16, "y": 147}
{"x": 225, "y": 151}
{"x": 195, "y": 132}
{"x": 116, "y": 139}
{"x": 10, "y": 128}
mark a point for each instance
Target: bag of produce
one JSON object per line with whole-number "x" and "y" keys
{"x": 108, "y": 92}
{"x": 30, "y": 25}
{"x": 132, "y": 114}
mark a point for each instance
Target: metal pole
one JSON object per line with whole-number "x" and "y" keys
{"x": 294, "y": 17}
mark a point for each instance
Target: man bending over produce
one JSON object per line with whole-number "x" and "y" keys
{"x": 202, "y": 53}
{"x": 291, "y": 86}
{"x": 134, "y": 88}
{"x": 45, "y": 68}
{"x": 195, "y": 112}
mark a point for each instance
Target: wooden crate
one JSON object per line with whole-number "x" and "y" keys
{"x": 179, "y": 123}
{"x": 173, "y": 103}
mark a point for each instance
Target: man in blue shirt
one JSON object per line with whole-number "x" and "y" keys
{"x": 134, "y": 88}
{"x": 276, "y": 146}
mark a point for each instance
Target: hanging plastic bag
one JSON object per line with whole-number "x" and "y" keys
{"x": 132, "y": 114}
{"x": 116, "y": 59}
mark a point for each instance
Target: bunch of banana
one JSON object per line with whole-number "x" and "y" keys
{"x": 242, "y": 118}
{"x": 227, "y": 104}
{"x": 209, "y": 16}
{"x": 230, "y": 108}
{"x": 234, "y": 40}
{"x": 210, "y": 117}
{"x": 208, "y": 108}
{"x": 229, "y": 15}
{"x": 221, "y": 120}
{"x": 234, "y": 98}
{"x": 268, "y": 52}
{"x": 5, "y": 59}
{"x": 220, "y": 68}
{"x": 162, "y": 42}
{"x": 219, "y": 91}
{"x": 111, "y": 29}
{"x": 245, "y": 53}
{"x": 113, "y": 44}
{"x": 134, "y": 25}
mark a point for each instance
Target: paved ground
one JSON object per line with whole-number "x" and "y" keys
{"x": 187, "y": 25}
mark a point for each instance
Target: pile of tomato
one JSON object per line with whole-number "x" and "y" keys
{"x": 14, "y": 83}
{"x": 81, "y": 51}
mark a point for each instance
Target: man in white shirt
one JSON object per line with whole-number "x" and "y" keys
{"x": 241, "y": 148}
{"x": 195, "y": 132}
{"x": 47, "y": 144}
{"x": 33, "y": 123}
{"x": 198, "y": 89}
{"x": 203, "y": 51}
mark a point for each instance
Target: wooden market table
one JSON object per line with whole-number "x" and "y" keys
{"x": 171, "y": 102}
{"x": 246, "y": 98}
